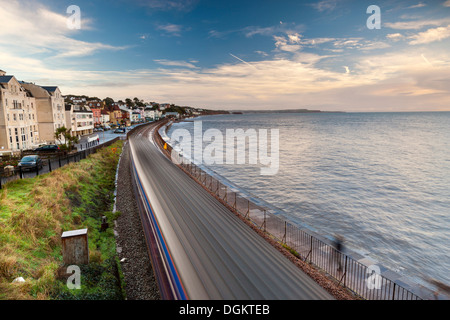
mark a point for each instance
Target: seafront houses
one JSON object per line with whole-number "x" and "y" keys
{"x": 77, "y": 100}
{"x": 135, "y": 117}
{"x": 49, "y": 109}
{"x": 18, "y": 120}
{"x": 115, "y": 115}
{"x": 172, "y": 114}
{"x": 149, "y": 113}
{"x": 152, "y": 115}
{"x": 104, "y": 118}
{"x": 79, "y": 119}
{"x": 97, "y": 116}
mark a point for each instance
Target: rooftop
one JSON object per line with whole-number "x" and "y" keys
{"x": 5, "y": 79}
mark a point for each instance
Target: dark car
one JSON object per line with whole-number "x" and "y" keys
{"x": 48, "y": 148}
{"x": 31, "y": 163}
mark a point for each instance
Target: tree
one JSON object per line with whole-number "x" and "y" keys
{"x": 66, "y": 134}
{"x": 129, "y": 103}
{"x": 109, "y": 101}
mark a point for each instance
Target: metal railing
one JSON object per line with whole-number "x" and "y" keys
{"x": 51, "y": 162}
{"x": 349, "y": 273}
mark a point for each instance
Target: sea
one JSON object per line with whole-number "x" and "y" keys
{"x": 380, "y": 180}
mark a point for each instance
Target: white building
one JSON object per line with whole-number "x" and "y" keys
{"x": 18, "y": 120}
{"x": 80, "y": 120}
{"x": 152, "y": 115}
{"x": 172, "y": 114}
{"x": 104, "y": 118}
{"x": 49, "y": 109}
{"x": 135, "y": 117}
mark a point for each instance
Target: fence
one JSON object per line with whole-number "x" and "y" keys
{"x": 361, "y": 279}
{"x": 51, "y": 162}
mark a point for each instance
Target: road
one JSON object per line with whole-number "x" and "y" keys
{"x": 215, "y": 255}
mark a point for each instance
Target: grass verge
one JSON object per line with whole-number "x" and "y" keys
{"x": 35, "y": 212}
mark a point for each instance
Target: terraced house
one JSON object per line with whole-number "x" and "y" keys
{"x": 79, "y": 119}
{"x": 50, "y": 110}
{"x": 18, "y": 116}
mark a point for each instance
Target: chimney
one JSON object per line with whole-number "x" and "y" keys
{"x": 2, "y": 73}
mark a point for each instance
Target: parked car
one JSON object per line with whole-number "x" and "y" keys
{"x": 31, "y": 162}
{"x": 48, "y": 148}
{"x": 119, "y": 131}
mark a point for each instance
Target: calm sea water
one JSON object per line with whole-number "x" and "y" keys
{"x": 382, "y": 180}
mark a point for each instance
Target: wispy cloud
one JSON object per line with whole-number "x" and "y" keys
{"x": 416, "y": 24}
{"x": 431, "y": 35}
{"x": 419, "y": 5}
{"x": 376, "y": 82}
{"x": 33, "y": 28}
{"x": 182, "y": 64}
{"x": 167, "y": 5}
{"x": 325, "y": 5}
{"x": 394, "y": 36}
{"x": 282, "y": 28}
{"x": 172, "y": 29}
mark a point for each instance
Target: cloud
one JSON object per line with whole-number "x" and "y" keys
{"x": 167, "y": 5}
{"x": 431, "y": 35}
{"x": 325, "y": 5}
{"x": 282, "y": 28}
{"x": 251, "y": 31}
{"x": 34, "y": 29}
{"x": 416, "y": 24}
{"x": 182, "y": 64}
{"x": 376, "y": 82}
{"x": 446, "y": 3}
{"x": 419, "y": 5}
{"x": 394, "y": 36}
{"x": 288, "y": 43}
{"x": 262, "y": 53}
{"x": 353, "y": 81}
{"x": 172, "y": 29}
{"x": 375, "y": 45}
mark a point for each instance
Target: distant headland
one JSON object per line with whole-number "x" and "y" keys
{"x": 282, "y": 111}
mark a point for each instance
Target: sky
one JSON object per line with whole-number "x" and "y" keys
{"x": 236, "y": 55}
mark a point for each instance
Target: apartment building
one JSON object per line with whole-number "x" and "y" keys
{"x": 79, "y": 119}
{"x": 151, "y": 115}
{"x": 49, "y": 108}
{"x": 18, "y": 116}
{"x": 104, "y": 119}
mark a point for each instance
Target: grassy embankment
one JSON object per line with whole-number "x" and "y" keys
{"x": 35, "y": 212}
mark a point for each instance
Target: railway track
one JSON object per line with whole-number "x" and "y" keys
{"x": 199, "y": 249}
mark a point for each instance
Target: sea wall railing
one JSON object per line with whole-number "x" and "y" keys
{"x": 362, "y": 280}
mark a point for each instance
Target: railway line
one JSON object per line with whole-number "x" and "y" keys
{"x": 199, "y": 249}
